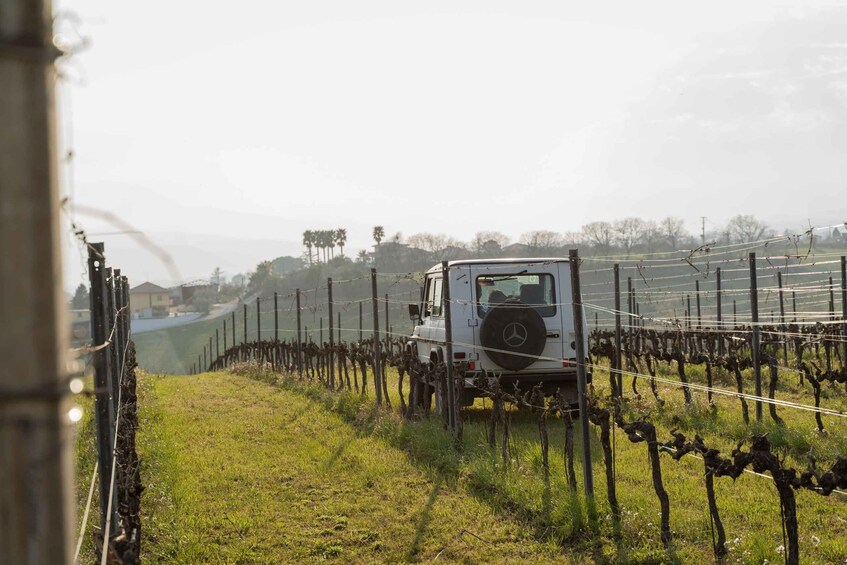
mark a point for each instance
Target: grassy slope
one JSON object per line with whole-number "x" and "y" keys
{"x": 749, "y": 506}
{"x": 190, "y": 424}
{"x": 238, "y": 472}
{"x": 173, "y": 350}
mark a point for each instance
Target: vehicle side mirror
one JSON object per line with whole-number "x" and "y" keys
{"x": 414, "y": 312}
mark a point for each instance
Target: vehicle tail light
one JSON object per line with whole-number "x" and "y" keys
{"x": 459, "y": 355}
{"x": 472, "y": 365}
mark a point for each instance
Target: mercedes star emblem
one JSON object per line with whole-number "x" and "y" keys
{"x": 515, "y": 334}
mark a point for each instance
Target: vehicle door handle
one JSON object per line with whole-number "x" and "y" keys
{"x": 554, "y": 335}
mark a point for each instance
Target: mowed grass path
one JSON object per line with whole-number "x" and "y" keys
{"x": 240, "y": 472}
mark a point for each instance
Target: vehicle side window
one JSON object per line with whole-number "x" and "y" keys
{"x": 432, "y": 301}
{"x": 437, "y": 305}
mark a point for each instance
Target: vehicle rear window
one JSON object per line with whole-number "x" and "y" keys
{"x": 536, "y": 290}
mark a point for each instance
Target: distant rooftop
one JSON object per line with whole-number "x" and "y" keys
{"x": 147, "y": 288}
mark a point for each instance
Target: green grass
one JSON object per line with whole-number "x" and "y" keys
{"x": 237, "y": 472}
{"x": 212, "y": 445}
{"x": 173, "y": 350}
{"x": 749, "y": 506}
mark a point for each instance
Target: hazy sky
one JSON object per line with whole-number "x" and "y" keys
{"x": 258, "y": 120}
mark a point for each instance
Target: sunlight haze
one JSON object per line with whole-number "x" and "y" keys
{"x": 223, "y": 131}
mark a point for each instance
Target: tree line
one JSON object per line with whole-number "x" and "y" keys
{"x": 627, "y": 235}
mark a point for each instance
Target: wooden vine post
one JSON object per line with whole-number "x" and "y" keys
{"x": 331, "y": 337}
{"x": 448, "y": 338}
{"x": 719, "y": 310}
{"x": 617, "y": 390}
{"x": 377, "y": 363}
{"x": 299, "y": 336}
{"x": 754, "y": 347}
{"x": 844, "y": 314}
{"x": 581, "y": 377}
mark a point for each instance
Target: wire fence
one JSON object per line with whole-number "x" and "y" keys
{"x": 657, "y": 347}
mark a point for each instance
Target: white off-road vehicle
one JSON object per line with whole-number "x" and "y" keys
{"x": 509, "y": 317}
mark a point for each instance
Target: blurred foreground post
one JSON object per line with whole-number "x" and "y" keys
{"x": 36, "y": 473}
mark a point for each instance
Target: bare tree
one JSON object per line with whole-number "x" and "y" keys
{"x": 542, "y": 239}
{"x": 652, "y": 236}
{"x": 488, "y": 240}
{"x": 673, "y": 229}
{"x": 573, "y": 238}
{"x": 432, "y": 241}
{"x": 746, "y": 228}
{"x": 628, "y": 232}
{"x": 599, "y": 234}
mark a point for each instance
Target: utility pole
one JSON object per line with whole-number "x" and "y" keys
{"x": 36, "y": 445}
{"x": 702, "y": 230}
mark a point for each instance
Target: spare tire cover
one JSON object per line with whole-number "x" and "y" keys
{"x": 513, "y": 335}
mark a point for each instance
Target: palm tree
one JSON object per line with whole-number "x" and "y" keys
{"x": 318, "y": 242}
{"x": 379, "y": 233}
{"x": 308, "y": 239}
{"x": 322, "y": 242}
{"x": 341, "y": 239}
{"x": 363, "y": 257}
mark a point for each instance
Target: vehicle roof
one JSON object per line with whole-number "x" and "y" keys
{"x": 503, "y": 261}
